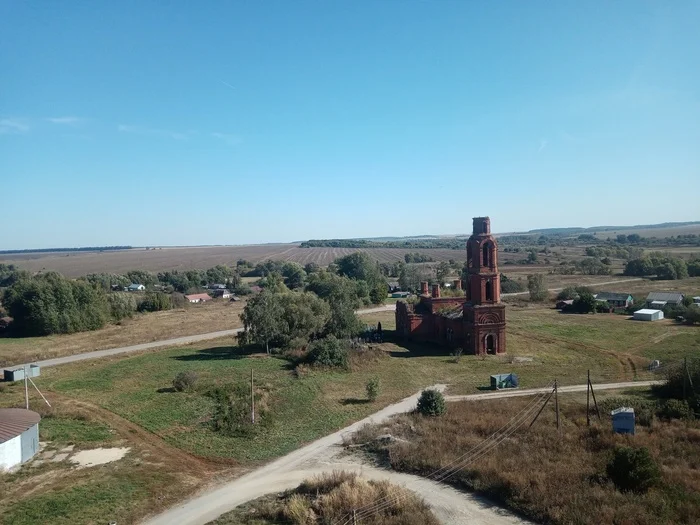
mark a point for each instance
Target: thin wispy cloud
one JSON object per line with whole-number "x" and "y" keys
{"x": 227, "y": 84}
{"x": 10, "y": 126}
{"x": 70, "y": 121}
{"x": 227, "y": 137}
{"x": 140, "y": 130}
{"x": 543, "y": 144}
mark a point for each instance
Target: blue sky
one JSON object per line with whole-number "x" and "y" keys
{"x": 181, "y": 123}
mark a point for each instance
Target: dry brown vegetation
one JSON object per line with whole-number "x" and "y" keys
{"x": 142, "y": 328}
{"x": 329, "y": 498}
{"x": 547, "y": 478}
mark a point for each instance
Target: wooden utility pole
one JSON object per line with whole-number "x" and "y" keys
{"x": 26, "y": 388}
{"x": 588, "y": 400}
{"x": 556, "y": 405}
{"x": 252, "y": 398}
{"x": 542, "y": 408}
{"x": 354, "y": 517}
{"x": 597, "y": 410}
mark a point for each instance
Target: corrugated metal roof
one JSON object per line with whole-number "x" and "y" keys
{"x": 665, "y": 296}
{"x": 14, "y": 421}
{"x": 612, "y": 296}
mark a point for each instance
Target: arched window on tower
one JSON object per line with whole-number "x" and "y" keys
{"x": 485, "y": 226}
{"x": 487, "y": 254}
{"x": 469, "y": 254}
{"x": 489, "y": 291}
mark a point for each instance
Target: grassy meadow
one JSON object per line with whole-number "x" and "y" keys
{"x": 129, "y": 401}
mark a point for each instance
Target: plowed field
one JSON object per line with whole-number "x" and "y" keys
{"x": 75, "y": 264}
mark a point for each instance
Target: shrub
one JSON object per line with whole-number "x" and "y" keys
{"x": 431, "y": 403}
{"x": 372, "y": 388}
{"x": 330, "y": 352}
{"x": 675, "y": 409}
{"x": 633, "y": 469}
{"x": 185, "y": 381}
{"x": 155, "y": 302}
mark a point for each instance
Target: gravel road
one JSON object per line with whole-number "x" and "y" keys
{"x": 163, "y": 343}
{"x": 325, "y": 455}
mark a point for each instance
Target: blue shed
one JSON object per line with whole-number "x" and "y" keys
{"x": 504, "y": 381}
{"x": 623, "y": 420}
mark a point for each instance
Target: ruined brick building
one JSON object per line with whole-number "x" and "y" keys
{"x": 475, "y": 322}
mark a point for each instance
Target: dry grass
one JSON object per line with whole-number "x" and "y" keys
{"x": 330, "y": 498}
{"x": 550, "y": 479}
{"x": 142, "y": 328}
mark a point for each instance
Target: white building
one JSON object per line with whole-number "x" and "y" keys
{"x": 646, "y": 314}
{"x": 135, "y": 287}
{"x": 19, "y": 436}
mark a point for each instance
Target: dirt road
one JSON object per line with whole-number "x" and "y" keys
{"x": 163, "y": 343}
{"x": 215, "y": 335}
{"x": 324, "y": 455}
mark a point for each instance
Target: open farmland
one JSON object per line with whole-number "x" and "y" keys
{"x": 665, "y": 231}
{"x": 76, "y": 264}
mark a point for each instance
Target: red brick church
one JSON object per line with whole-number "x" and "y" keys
{"x": 476, "y": 322}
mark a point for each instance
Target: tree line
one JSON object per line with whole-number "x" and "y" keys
{"x": 284, "y": 318}
{"x": 664, "y": 267}
{"x": 82, "y": 249}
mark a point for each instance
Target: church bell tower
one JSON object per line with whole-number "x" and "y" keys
{"x": 484, "y": 315}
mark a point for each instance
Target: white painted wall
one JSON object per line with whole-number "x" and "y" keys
{"x": 11, "y": 453}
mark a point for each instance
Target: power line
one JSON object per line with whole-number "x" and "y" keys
{"x": 476, "y": 452}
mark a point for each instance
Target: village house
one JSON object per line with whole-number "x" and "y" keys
{"x": 615, "y": 299}
{"x": 661, "y": 299}
{"x": 222, "y": 293}
{"x": 198, "y": 298}
{"x": 135, "y": 287}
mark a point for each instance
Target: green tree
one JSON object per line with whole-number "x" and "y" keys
{"x": 155, "y": 302}
{"x": 532, "y": 257}
{"x": 431, "y": 403}
{"x": 330, "y": 352}
{"x": 694, "y": 268}
{"x": 666, "y": 271}
{"x": 51, "y": 304}
{"x": 443, "y": 270}
{"x": 141, "y": 277}
{"x": 372, "y": 388}
{"x": 121, "y": 305}
{"x": 279, "y": 318}
{"x": 294, "y": 275}
{"x": 262, "y": 319}
{"x": 585, "y": 303}
{"x": 537, "y": 287}
{"x": 510, "y": 286}
{"x": 633, "y": 469}
{"x": 344, "y": 296}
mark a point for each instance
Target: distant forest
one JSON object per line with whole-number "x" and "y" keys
{"x": 83, "y": 249}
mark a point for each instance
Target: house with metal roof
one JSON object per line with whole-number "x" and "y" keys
{"x": 661, "y": 299}
{"x": 198, "y": 298}
{"x": 19, "y": 436}
{"x": 615, "y": 299}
